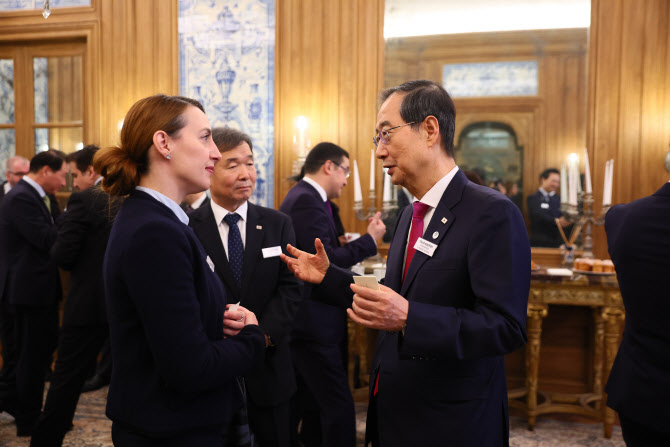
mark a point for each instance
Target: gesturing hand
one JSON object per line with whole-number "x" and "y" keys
{"x": 378, "y": 309}
{"x": 307, "y": 267}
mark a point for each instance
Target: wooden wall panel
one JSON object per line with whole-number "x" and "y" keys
{"x": 328, "y": 68}
{"x": 131, "y": 52}
{"x": 629, "y": 98}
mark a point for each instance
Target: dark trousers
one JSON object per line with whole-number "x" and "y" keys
{"x": 8, "y": 341}
{"x": 77, "y": 354}
{"x": 36, "y": 333}
{"x": 270, "y": 425}
{"x": 321, "y": 373}
{"x": 639, "y": 435}
{"x": 123, "y": 436}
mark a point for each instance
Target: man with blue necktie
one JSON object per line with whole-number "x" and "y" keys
{"x": 243, "y": 242}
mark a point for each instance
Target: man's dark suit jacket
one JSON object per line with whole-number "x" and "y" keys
{"x": 543, "y": 229}
{"x": 269, "y": 289}
{"x": 80, "y": 248}
{"x": 173, "y": 372}
{"x": 638, "y": 237}
{"x": 28, "y": 276}
{"x": 311, "y": 219}
{"x": 443, "y": 382}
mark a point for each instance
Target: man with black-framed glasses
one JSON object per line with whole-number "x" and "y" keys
{"x": 454, "y": 299}
{"x": 319, "y": 340}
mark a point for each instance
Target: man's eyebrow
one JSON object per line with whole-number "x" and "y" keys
{"x": 235, "y": 159}
{"x": 382, "y": 124}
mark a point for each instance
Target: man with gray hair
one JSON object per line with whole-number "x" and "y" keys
{"x": 17, "y": 167}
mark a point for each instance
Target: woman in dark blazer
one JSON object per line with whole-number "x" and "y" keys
{"x": 177, "y": 350}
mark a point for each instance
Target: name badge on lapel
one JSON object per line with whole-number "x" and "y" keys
{"x": 271, "y": 252}
{"x": 425, "y": 247}
{"x": 210, "y": 263}
{"x": 544, "y": 206}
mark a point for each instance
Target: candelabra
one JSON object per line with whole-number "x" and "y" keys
{"x": 388, "y": 207}
{"x": 584, "y": 220}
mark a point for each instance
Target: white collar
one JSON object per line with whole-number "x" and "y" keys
{"x": 547, "y": 194}
{"x": 196, "y": 204}
{"x": 165, "y": 200}
{"x": 220, "y": 212}
{"x": 35, "y": 185}
{"x": 434, "y": 194}
{"x": 98, "y": 180}
{"x": 319, "y": 188}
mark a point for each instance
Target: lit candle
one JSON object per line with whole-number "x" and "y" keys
{"x": 611, "y": 179}
{"x": 358, "y": 195}
{"x": 388, "y": 195}
{"x": 564, "y": 184}
{"x": 587, "y": 173}
{"x": 372, "y": 170}
{"x": 572, "y": 177}
{"x": 300, "y": 139}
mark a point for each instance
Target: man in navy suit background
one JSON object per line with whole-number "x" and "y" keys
{"x": 79, "y": 248}
{"x": 638, "y": 237}
{"x": 319, "y": 339}
{"x": 266, "y": 286}
{"x": 454, "y": 298}
{"x": 544, "y": 207}
{"x": 30, "y": 283}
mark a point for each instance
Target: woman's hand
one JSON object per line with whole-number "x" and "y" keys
{"x": 234, "y": 320}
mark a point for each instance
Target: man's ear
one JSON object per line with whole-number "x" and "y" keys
{"x": 90, "y": 171}
{"x": 432, "y": 129}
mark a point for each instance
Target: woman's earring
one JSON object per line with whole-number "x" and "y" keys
{"x": 169, "y": 157}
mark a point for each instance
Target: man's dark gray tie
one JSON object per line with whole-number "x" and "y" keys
{"x": 235, "y": 247}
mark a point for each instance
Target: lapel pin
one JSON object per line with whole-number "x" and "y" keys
{"x": 435, "y": 235}
{"x": 259, "y": 227}
{"x": 444, "y": 220}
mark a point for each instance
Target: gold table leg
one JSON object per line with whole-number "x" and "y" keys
{"x": 536, "y": 312}
{"x": 613, "y": 318}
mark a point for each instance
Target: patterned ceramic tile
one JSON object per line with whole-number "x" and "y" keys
{"x": 13, "y": 5}
{"x": 226, "y": 61}
{"x": 491, "y": 79}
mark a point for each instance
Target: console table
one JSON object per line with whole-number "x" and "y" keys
{"x": 601, "y": 294}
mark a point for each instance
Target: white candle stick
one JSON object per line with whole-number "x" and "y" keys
{"x": 587, "y": 173}
{"x": 372, "y": 170}
{"x": 610, "y": 183}
{"x": 387, "y": 195}
{"x": 572, "y": 177}
{"x": 358, "y": 195}
{"x": 564, "y": 184}
{"x": 607, "y": 168}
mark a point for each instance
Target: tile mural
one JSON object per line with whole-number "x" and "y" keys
{"x": 15, "y": 5}
{"x": 490, "y": 79}
{"x": 226, "y": 61}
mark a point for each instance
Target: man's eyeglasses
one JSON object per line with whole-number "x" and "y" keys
{"x": 385, "y": 135}
{"x": 347, "y": 171}
{"x": 19, "y": 173}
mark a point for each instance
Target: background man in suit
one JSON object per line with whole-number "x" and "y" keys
{"x": 455, "y": 296}
{"x": 80, "y": 248}
{"x": 638, "y": 237}
{"x": 244, "y": 241}
{"x": 29, "y": 282}
{"x": 543, "y": 208}
{"x": 319, "y": 339}
{"x": 17, "y": 167}
{"x": 194, "y": 201}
